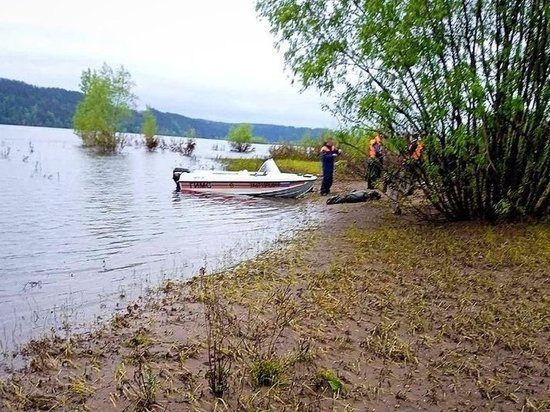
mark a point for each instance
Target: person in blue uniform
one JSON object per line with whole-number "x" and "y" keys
{"x": 328, "y": 154}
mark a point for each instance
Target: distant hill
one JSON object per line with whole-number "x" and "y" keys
{"x": 24, "y": 104}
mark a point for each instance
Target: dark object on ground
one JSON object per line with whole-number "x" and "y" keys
{"x": 355, "y": 197}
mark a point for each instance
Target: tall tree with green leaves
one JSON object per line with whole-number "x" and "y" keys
{"x": 149, "y": 129}
{"x": 107, "y": 104}
{"x": 240, "y": 137}
{"x": 470, "y": 77}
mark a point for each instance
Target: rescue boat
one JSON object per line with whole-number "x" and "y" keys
{"x": 267, "y": 181}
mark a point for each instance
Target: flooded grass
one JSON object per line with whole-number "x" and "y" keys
{"x": 383, "y": 313}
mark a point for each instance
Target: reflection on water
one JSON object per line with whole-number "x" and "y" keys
{"x": 82, "y": 234}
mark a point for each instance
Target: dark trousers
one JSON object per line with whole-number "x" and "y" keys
{"x": 374, "y": 171}
{"x": 327, "y": 182}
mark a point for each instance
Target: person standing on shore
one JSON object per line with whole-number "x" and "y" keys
{"x": 328, "y": 154}
{"x": 415, "y": 147}
{"x": 375, "y": 161}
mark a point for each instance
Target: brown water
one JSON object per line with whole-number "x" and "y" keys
{"x": 82, "y": 234}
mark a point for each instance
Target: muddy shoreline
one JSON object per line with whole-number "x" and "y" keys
{"x": 365, "y": 311}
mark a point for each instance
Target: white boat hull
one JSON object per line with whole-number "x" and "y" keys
{"x": 267, "y": 189}
{"x": 268, "y": 181}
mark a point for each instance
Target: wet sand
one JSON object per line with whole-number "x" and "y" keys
{"x": 364, "y": 311}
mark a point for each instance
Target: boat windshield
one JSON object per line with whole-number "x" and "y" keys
{"x": 269, "y": 167}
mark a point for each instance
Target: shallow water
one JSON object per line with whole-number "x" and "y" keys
{"x": 82, "y": 234}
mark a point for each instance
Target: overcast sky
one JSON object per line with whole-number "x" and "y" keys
{"x": 211, "y": 59}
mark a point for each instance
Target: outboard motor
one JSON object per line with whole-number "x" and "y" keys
{"x": 176, "y": 175}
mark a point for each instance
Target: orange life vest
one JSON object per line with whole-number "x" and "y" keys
{"x": 417, "y": 154}
{"x": 372, "y": 150}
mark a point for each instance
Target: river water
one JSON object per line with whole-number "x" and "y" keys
{"x": 81, "y": 234}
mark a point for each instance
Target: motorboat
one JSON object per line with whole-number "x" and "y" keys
{"x": 267, "y": 181}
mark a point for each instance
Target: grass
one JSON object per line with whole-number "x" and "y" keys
{"x": 384, "y": 342}
{"x": 285, "y": 165}
{"x": 120, "y": 375}
{"x": 144, "y": 389}
{"x": 383, "y": 311}
{"x": 79, "y": 387}
{"x": 140, "y": 339}
{"x": 480, "y": 275}
{"x": 266, "y": 372}
{"x": 328, "y": 378}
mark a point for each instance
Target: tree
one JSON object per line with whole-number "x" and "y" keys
{"x": 108, "y": 102}
{"x": 240, "y": 138}
{"x": 470, "y": 77}
{"x": 149, "y": 129}
{"x": 191, "y": 142}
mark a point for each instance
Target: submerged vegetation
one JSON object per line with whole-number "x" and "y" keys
{"x": 108, "y": 102}
{"x": 184, "y": 147}
{"x": 149, "y": 129}
{"x": 240, "y": 138}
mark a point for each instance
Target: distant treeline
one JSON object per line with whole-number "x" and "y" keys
{"x": 24, "y": 104}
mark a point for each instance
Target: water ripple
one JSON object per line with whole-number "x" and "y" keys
{"x": 77, "y": 228}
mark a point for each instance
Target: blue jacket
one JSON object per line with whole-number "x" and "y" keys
{"x": 328, "y": 153}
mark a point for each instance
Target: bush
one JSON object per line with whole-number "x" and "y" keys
{"x": 291, "y": 151}
{"x": 151, "y": 142}
{"x": 285, "y": 165}
{"x": 240, "y": 138}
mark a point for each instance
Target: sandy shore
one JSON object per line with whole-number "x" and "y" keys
{"x": 366, "y": 311}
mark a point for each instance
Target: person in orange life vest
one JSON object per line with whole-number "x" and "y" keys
{"x": 416, "y": 147}
{"x": 375, "y": 161}
{"x": 328, "y": 154}
{"x": 409, "y": 164}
